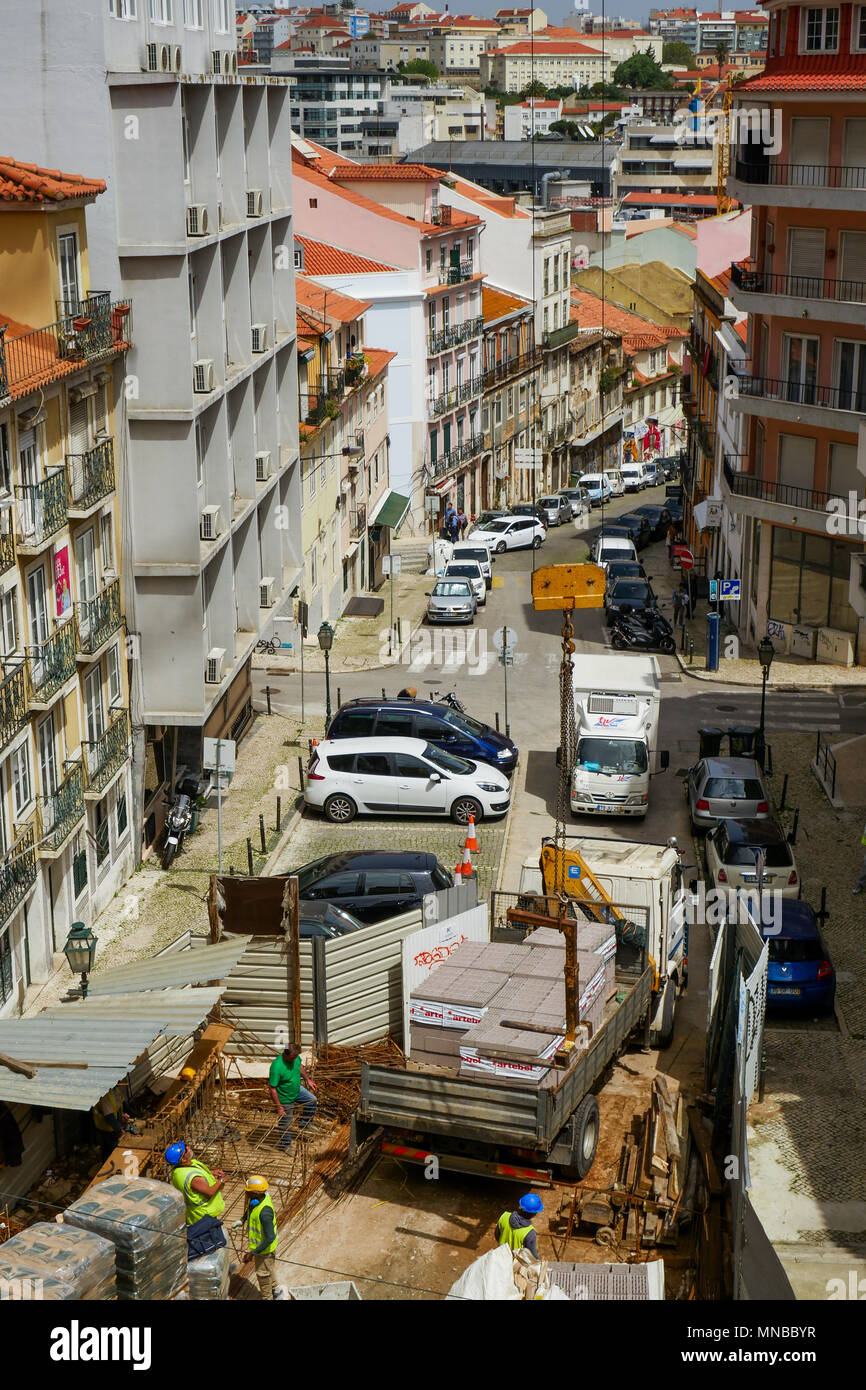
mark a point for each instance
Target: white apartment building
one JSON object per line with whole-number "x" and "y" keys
{"x": 196, "y": 228}
{"x": 527, "y": 118}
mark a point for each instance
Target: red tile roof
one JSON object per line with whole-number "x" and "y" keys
{"x": 29, "y": 183}
{"x": 322, "y": 259}
{"x": 308, "y": 171}
{"x": 33, "y": 356}
{"x": 590, "y": 311}
{"x": 667, "y": 200}
{"x": 317, "y": 303}
{"x": 377, "y": 360}
{"x": 812, "y": 75}
{"x": 383, "y": 173}
{"x": 525, "y": 48}
{"x": 496, "y": 304}
{"x": 742, "y": 329}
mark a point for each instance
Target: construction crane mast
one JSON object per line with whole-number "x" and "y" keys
{"x": 723, "y": 202}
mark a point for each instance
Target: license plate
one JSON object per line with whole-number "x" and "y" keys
{"x": 784, "y": 991}
{"x": 610, "y": 810}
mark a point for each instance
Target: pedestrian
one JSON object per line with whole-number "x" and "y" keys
{"x": 446, "y": 522}
{"x": 515, "y": 1228}
{"x": 681, "y": 603}
{"x": 203, "y": 1199}
{"x": 462, "y": 522}
{"x": 673, "y": 537}
{"x": 107, "y": 1117}
{"x": 861, "y": 882}
{"x": 261, "y": 1223}
{"x": 409, "y": 692}
{"x": 284, "y": 1082}
{"x": 454, "y": 531}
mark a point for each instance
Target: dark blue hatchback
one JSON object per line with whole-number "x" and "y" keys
{"x": 800, "y": 974}
{"x": 440, "y": 725}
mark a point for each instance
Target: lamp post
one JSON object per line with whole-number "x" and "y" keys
{"x": 766, "y": 652}
{"x": 80, "y": 950}
{"x": 326, "y": 641}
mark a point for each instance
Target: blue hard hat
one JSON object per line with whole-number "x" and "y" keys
{"x": 174, "y": 1153}
{"x": 531, "y": 1203}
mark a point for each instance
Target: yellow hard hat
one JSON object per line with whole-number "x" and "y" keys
{"x": 256, "y": 1184}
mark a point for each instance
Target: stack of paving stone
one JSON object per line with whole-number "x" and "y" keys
{"x": 145, "y": 1221}
{"x": 51, "y": 1261}
{"x": 209, "y": 1276}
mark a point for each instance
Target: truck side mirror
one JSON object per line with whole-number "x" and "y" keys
{"x": 664, "y": 760}
{"x": 693, "y": 885}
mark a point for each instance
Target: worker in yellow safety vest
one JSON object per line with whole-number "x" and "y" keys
{"x": 201, "y": 1188}
{"x": 261, "y": 1222}
{"x": 515, "y": 1228}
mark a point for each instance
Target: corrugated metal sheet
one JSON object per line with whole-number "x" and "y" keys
{"x": 180, "y": 968}
{"x": 364, "y": 981}
{"x": 176, "y": 1011}
{"x": 451, "y": 1105}
{"x": 256, "y": 997}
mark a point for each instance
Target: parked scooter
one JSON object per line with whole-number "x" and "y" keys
{"x": 645, "y": 633}
{"x": 179, "y": 820}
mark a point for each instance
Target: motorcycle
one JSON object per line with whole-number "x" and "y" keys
{"x": 179, "y": 820}
{"x": 645, "y": 632}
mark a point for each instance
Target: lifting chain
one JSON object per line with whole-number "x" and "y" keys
{"x": 567, "y": 750}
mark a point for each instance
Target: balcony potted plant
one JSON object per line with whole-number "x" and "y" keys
{"x": 81, "y": 322}
{"x": 119, "y": 315}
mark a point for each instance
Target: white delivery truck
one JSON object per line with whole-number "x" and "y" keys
{"x": 616, "y": 705}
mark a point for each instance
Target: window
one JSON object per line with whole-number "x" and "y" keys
{"x": 314, "y": 582}
{"x": 101, "y": 835}
{"x": 192, "y": 14}
{"x": 21, "y": 790}
{"x": 85, "y": 565}
{"x": 106, "y": 541}
{"x": 850, "y": 375}
{"x": 120, "y": 811}
{"x": 355, "y": 724}
{"x": 192, "y": 323}
{"x": 160, "y": 11}
{"x": 374, "y": 764}
{"x": 820, "y": 33}
{"x": 93, "y": 706}
{"x": 37, "y": 606}
{"x": 221, "y": 16}
{"x": 47, "y": 764}
{"x": 67, "y": 263}
{"x": 184, "y": 136}
{"x": 7, "y": 974}
{"x": 384, "y": 882}
{"x": 428, "y": 260}
{"x": 860, "y": 29}
{"x": 122, "y": 9}
{"x": 115, "y": 683}
{"x": 809, "y": 580}
{"x": 5, "y": 484}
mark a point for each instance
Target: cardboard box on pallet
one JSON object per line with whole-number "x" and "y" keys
{"x": 485, "y": 955}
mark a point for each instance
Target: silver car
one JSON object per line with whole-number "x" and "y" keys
{"x": 556, "y": 508}
{"x": 471, "y": 570}
{"x": 578, "y": 500}
{"x": 451, "y": 601}
{"x": 726, "y": 789}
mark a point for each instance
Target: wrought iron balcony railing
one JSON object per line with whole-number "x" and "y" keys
{"x": 91, "y": 476}
{"x": 803, "y": 393}
{"x": 7, "y": 543}
{"x": 512, "y": 366}
{"x": 454, "y": 335}
{"x": 14, "y": 691}
{"x": 458, "y": 273}
{"x": 86, "y": 330}
{"x": 18, "y": 874}
{"x": 105, "y": 756}
{"x": 461, "y": 453}
{"x": 776, "y": 175}
{"x": 42, "y": 510}
{"x": 783, "y": 494}
{"x": 61, "y": 810}
{"x": 357, "y": 522}
{"x": 98, "y": 618}
{"x": 53, "y": 663}
{"x": 753, "y": 281}
{"x": 457, "y": 395}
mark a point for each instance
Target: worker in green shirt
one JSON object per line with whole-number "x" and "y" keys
{"x": 284, "y": 1082}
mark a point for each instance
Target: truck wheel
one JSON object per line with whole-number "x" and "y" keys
{"x": 584, "y": 1140}
{"x": 665, "y": 1034}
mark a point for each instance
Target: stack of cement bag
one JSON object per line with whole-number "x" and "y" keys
{"x": 209, "y": 1275}
{"x": 145, "y": 1222}
{"x": 50, "y": 1261}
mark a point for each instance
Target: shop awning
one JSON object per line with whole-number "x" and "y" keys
{"x": 708, "y": 513}
{"x": 390, "y": 510}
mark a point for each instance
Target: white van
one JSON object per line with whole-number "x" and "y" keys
{"x": 614, "y": 548}
{"x": 632, "y": 477}
{"x": 615, "y": 479}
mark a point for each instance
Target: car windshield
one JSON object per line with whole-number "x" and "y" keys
{"x": 549, "y": 502}
{"x": 794, "y": 950}
{"x": 618, "y": 568}
{"x": 478, "y": 555}
{"x": 467, "y": 571}
{"x": 614, "y": 756}
{"x": 589, "y": 480}
{"x": 465, "y": 721}
{"x": 311, "y": 873}
{"x": 630, "y": 588}
{"x": 498, "y": 526}
{"x": 743, "y": 856}
{"x": 734, "y": 789}
{"x": 448, "y": 762}
{"x": 456, "y": 588}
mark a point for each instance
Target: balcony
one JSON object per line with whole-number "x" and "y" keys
{"x": 357, "y": 522}
{"x": 512, "y": 366}
{"x": 105, "y": 756}
{"x": 61, "y": 812}
{"x": 42, "y": 511}
{"x": 840, "y": 186}
{"x": 98, "y": 619}
{"x": 441, "y": 217}
{"x": 752, "y": 491}
{"x": 18, "y": 874}
{"x": 13, "y": 704}
{"x": 456, "y": 395}
{"x": 461, "y": 453}
{"x": 560, "y": 336}
{"x": 808, "y": 295}
{"x": 453, "y": 336}
{"x": 355, "y": 370}
{"x": 318, "y": 406}
{"x": 458, "y": 273}
{"x": 87, "y": 330}
{"x": 52, "y": 665}
{"x": 91, "y": 477}
{"x": 7, "y": 544}
{"x": 557, "y": 434}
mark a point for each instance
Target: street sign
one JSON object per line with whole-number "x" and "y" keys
{"x": 527, "y": 458}
{"x": 222, "y": 755}
{"x": 505, "y": 637}
{"x": 505, "y": 658}
{"x": 392, "y": 564}
{"x": 714, "y": 590}
{"x": 685, "y": 557}
{"x": 731, "y": 589}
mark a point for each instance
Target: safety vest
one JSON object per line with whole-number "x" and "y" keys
{"x": 507, "y": 1234}
{"x": 255, "y": 1229}
{"x": 197, "y": 1205}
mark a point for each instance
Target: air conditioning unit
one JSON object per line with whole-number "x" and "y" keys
{"x": 157, "y": 58}
{"x": 197, "y": 220}
{"x": 216, "y": 60}
{"x": 176, "y": 58}
{"x": 213, "y": 671}
{"x": 254, "y": 202}
{"x": 211, "y": 523}
{"x": 203, "y": 375}
{"x": 260, "y": 337}
{"x": 230, "y": 64}
{"x": 266, "y": 592}
{"x": 263, "y": 465}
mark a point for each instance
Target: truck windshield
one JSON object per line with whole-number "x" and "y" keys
{"x": 614, "y": 756}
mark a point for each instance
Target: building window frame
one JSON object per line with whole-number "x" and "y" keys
{"x": 818, "y": 24}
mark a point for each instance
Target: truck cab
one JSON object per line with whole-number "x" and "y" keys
{"x": 616, "y": 701}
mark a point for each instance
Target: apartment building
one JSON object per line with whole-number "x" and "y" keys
{"x": 525, "y": 119}
{"x": 597, "y": 374}
{"x": 66, "y": 838}
{"x": 510, "y": 419}
{"x": 801, "y": 382}
{"x": 457, "y": 43}
{"x": 195, "y": 228}
{"x": 654, "y": 158}
{"x": 374, "y": 54}
{"x": 329, "y": 102}
{"x": 510, "y": 67}
{"x": 527, "y": 21}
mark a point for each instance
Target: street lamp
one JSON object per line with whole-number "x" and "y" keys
{"x": 80, "y": 950}
{"x": 326, "y": 642}
{"x": 766, "y": 652}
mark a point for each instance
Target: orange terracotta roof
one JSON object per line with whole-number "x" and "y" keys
{"x": 686, "y": 229}
{"x": 33, "y": 356}
{"x": 499, "y": 203}
{"x": 496, "y": 304}
{"x": 383, "y": 173}
{"x": 322, "y": 259}
{"x": 308, "y": 171}
{"x": 742, "y": 329}
{"x": 29, "y": 183}
{"x": 377, "y": 360}
{"x": 667, "y": 200}
{"x": 316, "y": 302}
{"x": 638, "y": 333}
{"x": 722, "y": 281}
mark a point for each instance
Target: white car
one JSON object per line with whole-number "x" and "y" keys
{"x": 510, "y": 533}
{"x": 633, "y": 477}
{"x": 613, "y": 548}
{"x": 471, "y": 571}
{"x": 467, "y": 550}
{"x": 347, "y": 777}
{"x": 615, "y": 482}
{"x": 598, "y": 487}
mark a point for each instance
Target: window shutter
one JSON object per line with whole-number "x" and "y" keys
{"x": 79, "y": 428}
{"x": 844, "y": 475}
{"x": 810, "y": 138}
{"x": 853, "y": 257}
{"x": 854, "y": 151}
{"x": 796, "y": 461}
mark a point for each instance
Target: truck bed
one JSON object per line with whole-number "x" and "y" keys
{"x": 430, "y": 1101}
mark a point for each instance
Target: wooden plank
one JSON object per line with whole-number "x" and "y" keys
{"x": 645, "y": 1177}
{"x": 711, "y": 1172}
{"x": 666, "y": 1110}
{"x": 19, "y": 1068}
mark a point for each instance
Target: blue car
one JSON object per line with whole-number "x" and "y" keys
{"x": 439, "y": 724}
{"x": 800, "y": 974}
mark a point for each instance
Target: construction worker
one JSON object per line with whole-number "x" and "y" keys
{"x": 261, "y": 1222}
{"x": 515, "y": 1228}
{"x": 201, "y": 1188}
{"x": 284, "y": 1083}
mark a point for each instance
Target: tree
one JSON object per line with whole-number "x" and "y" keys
{"x": 535, "y": 89}
{"x": 422, "y": 67}
{"x": 679, "y": 54}
{"x": 721, "y": 50}
{"x": 606, "y": 90}
{"x": 643, "y": 72}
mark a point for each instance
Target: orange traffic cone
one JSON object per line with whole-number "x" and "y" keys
{"x": 466, "y": 866}
{"x": 458, "y": 875}
{"x": 471, "y": 842}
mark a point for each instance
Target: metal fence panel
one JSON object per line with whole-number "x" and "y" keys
{"x": 363, "y": 985}
{"x": 256, "y": 1000}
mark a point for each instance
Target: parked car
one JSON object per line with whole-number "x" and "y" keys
{"x": 484, "y": 517}
{"x": 579, "y": 499}
{"x": 675, "y": 508}
{"x": 670, "y": 466}
{"x": 466, "y": 550}
{"x": 673, "y": 490}
{"x": 556, "y": 508}
{"x": 629, "y": 596}
{"x": 651, "y": 473}
{"x": 638, "y": 527}
{"x": 611, "y": 532}
{"x": 800, "y": 972}
{"x": 615, "y": 479}
{"x": 731, "y": 857}
{"x": 324, "y": 919}
{"x": 470, "y": 570}
{"x": 401, "y": 776}
{"x": 623, "y": 569}
{"x": 533, "y": 509}
{"x": 632, "y": 476}
{"x": 613, "y": 548}
{"x": 658, "y": 517}
{"x": 451, "y": 601}
{"x": 371, "y": 884}
{"x": 725, "y": 789}
{"x": 438, "y": 724}
{"x": 510, "y": 533}
{"x": 597, "y": 486}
